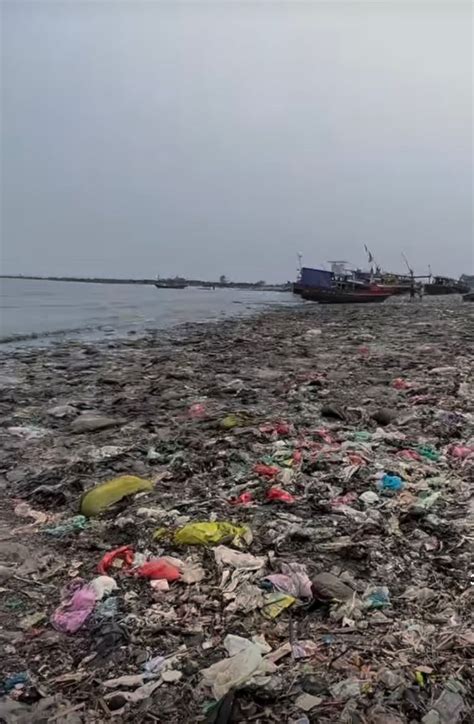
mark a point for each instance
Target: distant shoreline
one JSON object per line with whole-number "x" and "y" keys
{"x": 188, "y": 282}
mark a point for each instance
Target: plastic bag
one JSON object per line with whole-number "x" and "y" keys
{"x": 266, "y": 471}
{"x": 245, "y": 561}
{"x": 242, "y": 499}
{"x": 212, "y": 533}
{"x": 245, "y": 664}
{"x": 230, "y": 421}
{"x": 460, "y": 451}
{"x": 106, "y": 494}
{"x": 391, "y": 482}
{"x": 293, "y": 580}
{"x": 71, "y": 525}
{"x": 124, "y": 553}
{"x": 400, "y": 384}
{"x": 159, "y": 568}
{"x": 279, "y": 495}
{"x": 102, "y": 586}
{"x": 78, "y": 602}
{"x": 197, "y": 411}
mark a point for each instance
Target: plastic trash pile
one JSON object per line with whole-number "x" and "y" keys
{"x": 246, "y": 521}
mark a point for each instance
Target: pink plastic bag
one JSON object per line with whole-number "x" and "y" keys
{"x": 197, "y": 411}
{"x": 460, "y": 451}
{"x": 78, "y": 602}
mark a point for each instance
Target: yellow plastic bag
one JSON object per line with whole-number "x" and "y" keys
{"x": 106, "y": 494}
{"x": 212, "y": 534}
{"x": 275, "y": 603}
{"x": 230, "y": 421}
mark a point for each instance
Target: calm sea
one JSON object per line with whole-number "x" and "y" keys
{"x": 36, "y": 310}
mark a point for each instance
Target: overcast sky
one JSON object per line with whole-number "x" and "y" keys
{"x": 209, "y": 138}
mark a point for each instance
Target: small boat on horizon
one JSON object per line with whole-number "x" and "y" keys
{"x": 167, "y": 285}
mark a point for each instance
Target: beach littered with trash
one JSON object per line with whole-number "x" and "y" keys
{"x": 262, "y": 520}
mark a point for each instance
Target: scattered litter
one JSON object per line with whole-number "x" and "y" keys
{"x": 287, "y": 488}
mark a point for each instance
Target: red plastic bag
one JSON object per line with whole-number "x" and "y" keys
{"x": 297, "y": 456}
{"x": 280, "y": 495}
{"x": 159, "y": 568}
{"x": 267, "y": 471}
{"x": 242, "y": 499}
{"x": 400, "y": 384}
{"x": 124, "y": 553}
{"x": 364, "y": 351}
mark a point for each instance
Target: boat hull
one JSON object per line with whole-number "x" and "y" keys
{"x": 443, "y": 289}
{"x": 469, "y": 297}
{"x": 171, "y": 286}
{"x": 330, "y": 296}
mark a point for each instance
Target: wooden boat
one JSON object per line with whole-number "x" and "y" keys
{"x": 170, "y": 285}
{"x": 339, "y": 296}
{"x": 469, "y": 297}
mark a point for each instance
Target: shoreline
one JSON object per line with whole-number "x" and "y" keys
{"x": 323, "y": 372}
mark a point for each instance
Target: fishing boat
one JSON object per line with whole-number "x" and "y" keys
{"x": 441, "y": 286}
{"x": 319, "y": 285}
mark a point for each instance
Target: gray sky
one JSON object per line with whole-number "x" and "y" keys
{"x": 222, "y": 138}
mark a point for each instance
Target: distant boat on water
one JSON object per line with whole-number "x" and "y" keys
{"x": 176, "y": 283}
{"x": 170, "y": 285}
